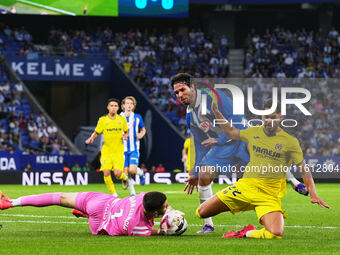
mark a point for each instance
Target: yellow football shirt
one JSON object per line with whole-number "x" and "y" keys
{"x": 270, "y": 156}
{"x": 189, "y": 145}
{"x": 113, "y": 130}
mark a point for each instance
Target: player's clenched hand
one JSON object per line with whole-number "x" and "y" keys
{"x": 126, "y": 136}
{"x": 89, "y": 140}
{"x": 209, "y": 142}
{"x": 192, "y": 182}
{"x": 319, "y": 201}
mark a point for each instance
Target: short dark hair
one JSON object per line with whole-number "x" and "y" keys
{"x": 267, "y": 104}
{"x": 181, "y": 78}
{"x": 113, "y": 100}
{"x": 153, "y": 201}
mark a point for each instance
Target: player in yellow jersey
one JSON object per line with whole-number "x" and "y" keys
{"x": 272, "y": 151}
{"x": 188, "y": 154}
{"x": 114, "y": 128}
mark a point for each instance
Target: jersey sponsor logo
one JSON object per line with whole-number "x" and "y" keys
{"x": 256, "y": 137}
{"x": 267, "y": 152}
{"x": 205, "y": 125}
{"x": 278, "y": 146}
{"x": 113, "y": 129}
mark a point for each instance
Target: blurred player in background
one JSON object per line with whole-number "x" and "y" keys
{"x": 114, "y": 129}
{"x": 131, "y": 146}
{"x": 85, "y": 8}
{"x": 212, "y": 146}
{"x": 108, "y": 215}
{"x": 188, "y": 154}
{"x": 13, "y": 10}
{"x": 272, "y": 151}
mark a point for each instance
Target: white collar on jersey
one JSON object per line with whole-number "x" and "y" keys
{"x": 198, "y": 101}
{"x": 131, "y": 114}
{"x": 131, "y": 118}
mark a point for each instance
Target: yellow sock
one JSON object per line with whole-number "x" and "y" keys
{"x": 198, "y": 214}
{"x": 109, "y": 184}
{"x": 122, "y": 177}
{"x": 262, "y": 234}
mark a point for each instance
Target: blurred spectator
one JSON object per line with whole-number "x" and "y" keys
{"x": 33, "y": 130}
{"x": 153, "y": 169}
{"x": 28, "y": 168}
{"x": 76, "y": 168}
{"x": 143, "y": 167}
{"x": 63, "y": 148}
{"x": 86, "y": 167}
{"x": 55, "y": 147}
{"x": 66, "y": 168}
{"x": 160, "y": 168}
{"x": 52, "y": 131}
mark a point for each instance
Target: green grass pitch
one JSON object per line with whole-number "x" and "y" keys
{"x": 95, "y": 7}
{"x": 29, "y": 230}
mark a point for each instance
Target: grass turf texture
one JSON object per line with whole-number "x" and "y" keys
{"x": 95, "y": 7}
{"x": 72, "y": 235}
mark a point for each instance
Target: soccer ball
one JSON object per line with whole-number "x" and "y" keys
{"x": 173, "y": 222}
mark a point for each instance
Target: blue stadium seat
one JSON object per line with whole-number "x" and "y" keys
{"x": 34, "y": 145}
{"x": 24, "y": 140}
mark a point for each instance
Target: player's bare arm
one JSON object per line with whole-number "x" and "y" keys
{"x": 184, "y": 154}
{"x": 209, "y": 142}
{"x": 92, "y": 138}
{"x": 309, "y": 182}
{"x": 231, "y": 131}
{"x": 126, "y": 135}
{"x": 141, "y": 134}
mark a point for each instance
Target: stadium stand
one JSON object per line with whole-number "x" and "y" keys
{"x": 151, "y": 58}
{"x": 20, "y": 128}
{"x": 284, "y": 53}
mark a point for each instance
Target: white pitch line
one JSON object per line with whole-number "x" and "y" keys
{"x": 37, "y": 216}
{"x": 173, "y": 192}
{"x": 156, "y": 223}
{"x": 296, "y": 226}
{"x": 47, "y": 7}
{"x": 46, "y": 222}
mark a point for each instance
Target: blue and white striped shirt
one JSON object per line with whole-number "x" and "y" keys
{"x": 135, "y": 123}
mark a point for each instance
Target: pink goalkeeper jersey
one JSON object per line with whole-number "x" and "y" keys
{"x": 126, "y": 217}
